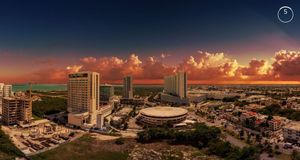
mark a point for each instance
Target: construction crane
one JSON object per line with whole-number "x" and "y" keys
{"x": 29, "y": 86}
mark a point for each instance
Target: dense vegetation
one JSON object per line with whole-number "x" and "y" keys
{"x": 49, "y": 105}
{"x": 275, "y": 109}
{"x": 230, "y": 99}
{"x": 202, "y": 137}
{"x": 141, "y": 90}
{"x": 295, "y": 155}
{"x": 7, "y": 148}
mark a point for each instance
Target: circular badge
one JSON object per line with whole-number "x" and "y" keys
{"x": 285, "y": 14}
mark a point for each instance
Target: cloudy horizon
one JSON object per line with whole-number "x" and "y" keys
{"x": 214, "y": 41}
{"x": 202, "y": 68}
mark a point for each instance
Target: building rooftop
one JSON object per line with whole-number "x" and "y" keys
{"x": 293, "y": 126}
{"x": 16, "y": 98}
{"x": 163, "y": 112}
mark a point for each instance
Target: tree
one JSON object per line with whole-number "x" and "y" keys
{"x": 249, "y": 153}
{"x": 120, "y": 141}
{"x": 269, "y": 117}
{"x": 220, "y": 148}
{"x": 250, "y": 122}
{"x": 143, "y": 137}
{"x": 241, "y": 133}
{"x": 72, "y": 134}
{"x": 295, "y": 155}
{"x": 125, "y": 126}
{"x": 258, "y": 138}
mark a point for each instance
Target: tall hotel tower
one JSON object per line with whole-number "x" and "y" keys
{"x": 83, "y": 98}
{"x": 127, "y": 87}
{"x": 176, "y": 84}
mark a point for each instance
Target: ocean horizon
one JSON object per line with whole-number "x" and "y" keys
{"x": 63, "y": 87}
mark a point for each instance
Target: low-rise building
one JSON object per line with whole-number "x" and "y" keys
{"x": 171, "y": 99}
{"x": 132, "y": 101}
{"x": 275, "y": 124}
{"x": 293, "y": 103}
{"x": 291, "y": 132}
{"x": 247, "y": 115}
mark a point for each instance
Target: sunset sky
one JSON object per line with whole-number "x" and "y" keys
{"x": 214, "y": 41}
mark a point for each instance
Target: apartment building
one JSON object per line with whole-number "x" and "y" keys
{"x": 15, "y": 110}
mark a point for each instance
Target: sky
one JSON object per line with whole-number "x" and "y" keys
{"x": 214, "y": 41}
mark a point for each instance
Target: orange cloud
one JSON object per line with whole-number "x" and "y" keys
{"x": 202, "y": 67}
{"x": 114, "y": 68}
{"x": 287, "y": 65}
{"x": 206, "y": 66}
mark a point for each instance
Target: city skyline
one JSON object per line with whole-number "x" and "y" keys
{"x": 236, "y": 43}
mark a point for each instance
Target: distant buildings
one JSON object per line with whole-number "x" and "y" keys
{"x": 175, "y": 89}
{"x": 106, "y": 92}
{"x": 293, "y": 103}
{"x": 1, "y": 93}
{"x": 7, "y": 90}
{"x": 1, "y": 89}
{"x": 127, "y": 87}
{"x": 197, "y": 95}
{"x": 15, "y": 110}
{"x": 83, "y": 100}
{"x": 176, "y": 84}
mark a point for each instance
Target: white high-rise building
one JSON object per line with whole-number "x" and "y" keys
{"x": 176, "y": 84}
{"x": 7, "y": 90}
{"x": 83, "y": 98}
{"x": 1, "y": 95}
{"x": 127, "y": 87}
{"x": 1, "y": 89}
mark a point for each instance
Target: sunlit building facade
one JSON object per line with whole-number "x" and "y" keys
{"x": 176, "y": 84}
{"x": 83, "y": 98}
{"x": 15, "y": 110}
{"x": 175, "y": 89}
{"x": 7, "y": 90}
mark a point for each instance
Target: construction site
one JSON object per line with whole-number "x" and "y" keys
{"x": 39, "y": 136}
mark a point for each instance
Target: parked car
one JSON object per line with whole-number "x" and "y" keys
{"x": 288, "y": 146}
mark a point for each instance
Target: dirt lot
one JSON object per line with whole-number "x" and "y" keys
{"x": 101, "y": 147}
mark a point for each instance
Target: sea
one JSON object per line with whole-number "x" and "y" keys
{"x": 63, "y": 87}
{"x": 57, "y": 87}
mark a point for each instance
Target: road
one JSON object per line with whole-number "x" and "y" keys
{"x": 234, "y": 141}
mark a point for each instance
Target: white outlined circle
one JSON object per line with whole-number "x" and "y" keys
{"x": 290, "y": 10}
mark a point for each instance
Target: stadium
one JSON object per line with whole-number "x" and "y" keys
{"x": 162, "y": 115}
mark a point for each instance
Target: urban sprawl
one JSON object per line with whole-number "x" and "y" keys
{"x": 266, "y": 115}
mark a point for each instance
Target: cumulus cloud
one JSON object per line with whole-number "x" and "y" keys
{"x": 114, "y": 68}
{"x": 202, "y": 66}
{"x": 256, "y": 70}
{"x": 74, "y": 68}
{"x": 165, "y": 55}
{"x": 286, "y": 65}
{"x": 205, "y": 66}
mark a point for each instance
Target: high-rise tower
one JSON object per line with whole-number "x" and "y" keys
{"x": 83, "y": 98}
{"x": 127, "y": 87}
